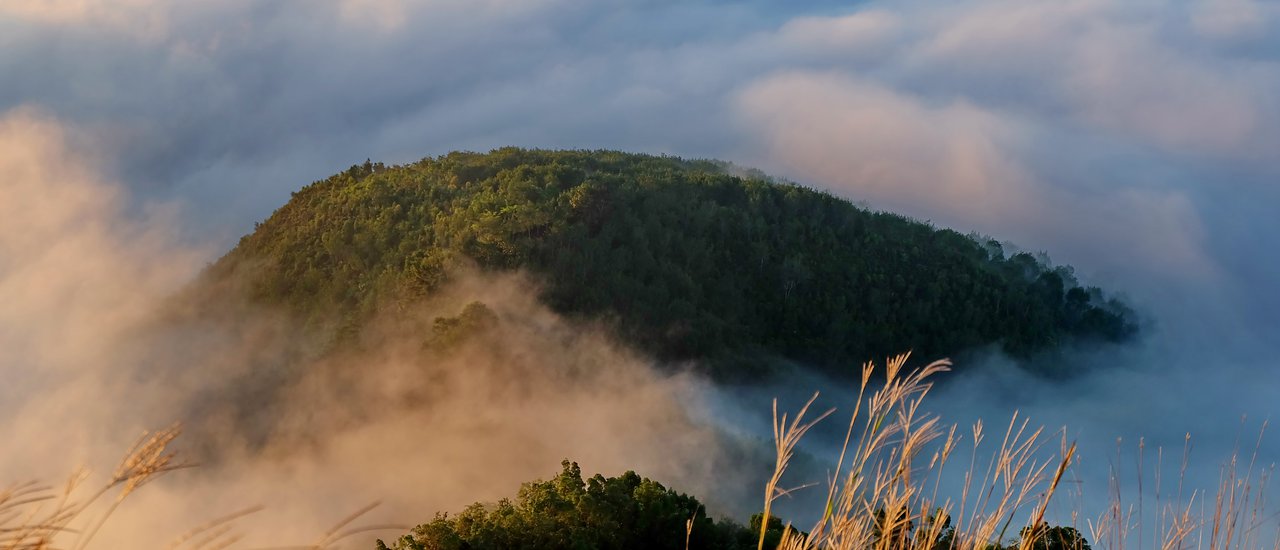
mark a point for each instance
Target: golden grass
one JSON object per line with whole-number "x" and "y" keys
{"x": 884, "y": 492}
{"x": 34, "y": 517}
{"x": 39, "y": 517}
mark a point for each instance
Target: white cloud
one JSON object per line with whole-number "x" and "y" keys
{"x": 74, "y": 267}
{"x": 1126, "y": 68}
{"x": 406, "y": 15}
{"x": 960, "y": 165}
{"x": 1233, "y": 20}
{"x": 1083, "y": 127}
{"x": 138, "y": 18}
{"x": 860, "y": 34}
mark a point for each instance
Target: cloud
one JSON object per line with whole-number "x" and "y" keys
{"x": 392, "y": 16}
{"x": 75, "y": 11}
{"x": 1099, "y": 131}
{"x": 861, "y": 35}
{"x": 419, "y": 432}
{"x": 960, "y": 165}
{"x": 72, "y": 261}
{"x": 103, "y": 335}
{"x": 141, "y": 20}
{"x": 1233, "y": 21}
{"x": 1130, "y": 69}
{"x": 80, "y": 268}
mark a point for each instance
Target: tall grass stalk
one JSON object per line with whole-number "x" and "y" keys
{"x": 884, "y": 493}
{"x": 39, "y": 517}
{"x": 34, "y": 517}
{"x": 885, "y": 490}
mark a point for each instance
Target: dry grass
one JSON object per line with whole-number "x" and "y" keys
{"x": 35, "y": 517}
{"x": 884, "y": 490}
{"x": 39, "y": 517}
{"x": 884, "y": 493}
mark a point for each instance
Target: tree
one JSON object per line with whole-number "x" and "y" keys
{"x": 1054, "y": 538}
{"x": 627, "y": 511}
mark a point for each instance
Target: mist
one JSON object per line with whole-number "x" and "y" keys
{"x": 102, "y": 344}
{"x": 1132, "y": 140}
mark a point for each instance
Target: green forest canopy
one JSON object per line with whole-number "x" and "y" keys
{"x": 627, "y": 511}
{"x": 690, "y": 259}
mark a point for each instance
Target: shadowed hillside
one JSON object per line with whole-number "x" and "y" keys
{"x": 687, "y": 259}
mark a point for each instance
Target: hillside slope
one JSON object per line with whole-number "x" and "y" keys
{"x": 688, "y": 259}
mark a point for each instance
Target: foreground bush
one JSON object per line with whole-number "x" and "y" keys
{"x": 627, "y": 511}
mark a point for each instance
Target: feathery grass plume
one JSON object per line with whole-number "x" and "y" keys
{"x": 33, "y": 517}
{"x": 884, "y": 492}
{"x": 148, "y": 459}
{"x": 688, "y": 529}
{"x": 785, "y": 439}
{"x": 218, "y": 532}
{"x": 24, "y": 522}
{"x": 36, "y": 517}
{"x": 340, "y": 530}
{"x": 1037, "y": 524}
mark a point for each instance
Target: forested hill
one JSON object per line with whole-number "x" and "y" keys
{"x": 690, "y": 259}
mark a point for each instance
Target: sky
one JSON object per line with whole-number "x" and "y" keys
{"x": 1133, "y": 140}
{"x": 1136, "y": 140}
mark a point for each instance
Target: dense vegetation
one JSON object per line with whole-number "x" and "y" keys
{"x": 690, "y": 259}
{"x": 629, "y": 511}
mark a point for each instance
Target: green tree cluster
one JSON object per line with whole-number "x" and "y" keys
{"x": 1046, "y": 537}
{"x": 568, "y": 512}
{"x": 691, "y": 259}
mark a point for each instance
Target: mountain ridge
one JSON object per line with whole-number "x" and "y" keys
{"x": 691, "y": 259}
